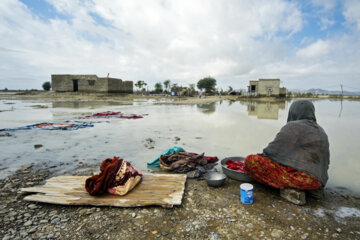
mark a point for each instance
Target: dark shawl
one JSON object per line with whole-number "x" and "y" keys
{"x": 302, "y": 144}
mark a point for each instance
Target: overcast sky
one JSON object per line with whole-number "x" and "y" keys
{"x": 307, "y": 44}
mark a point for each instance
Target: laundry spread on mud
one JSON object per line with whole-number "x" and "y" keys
{"x": 67, "y": 125}
{"x": 110, "y": 114}
{"x": 116, "y": 177}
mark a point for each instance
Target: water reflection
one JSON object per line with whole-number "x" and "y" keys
{"x": 87, "y": 104}
{"x": 264, "y": 110}
{"x": 207, "y": 108}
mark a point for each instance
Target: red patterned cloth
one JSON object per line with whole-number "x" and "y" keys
{"x": 116, "y": 177}
{"x": 267, "y": 171}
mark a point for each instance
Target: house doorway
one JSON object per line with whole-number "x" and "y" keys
{"x": 75, "y": 84}
{"x": 253, "y": 88}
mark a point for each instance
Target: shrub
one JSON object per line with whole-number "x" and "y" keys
{"x": 46, "y": 86}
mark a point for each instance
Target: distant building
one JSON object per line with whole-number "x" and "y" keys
{"x": 266, "y": 87}
{"x": 89, "y": 83}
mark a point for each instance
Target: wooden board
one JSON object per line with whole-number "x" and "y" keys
{"x": 165, "y": 190}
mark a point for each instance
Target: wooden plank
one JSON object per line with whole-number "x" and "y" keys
{"x": 165, "y": 190}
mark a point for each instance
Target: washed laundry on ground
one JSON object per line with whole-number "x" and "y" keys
{"x": 177, "y": 160}
{"x": 110, "y": 114}
{"x": 67, "y": 125}
{"x": 117, "y": 177}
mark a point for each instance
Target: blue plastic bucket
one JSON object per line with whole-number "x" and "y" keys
{"x": 247, "y": 193}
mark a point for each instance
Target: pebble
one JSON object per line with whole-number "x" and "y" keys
{"x": 249, "y": 225}
{"x": 133, "y": 215}
{"x": 56, "y": 220}
{"x": 276, "y": 233}
{"x": 32, "y": 206}
{"x": 339, "y": 230}
{"x": 28, "y": 223}
{"x": 305, "y": 236}
{"x": 32, "y": 230}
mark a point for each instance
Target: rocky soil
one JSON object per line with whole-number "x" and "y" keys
{"x": 206, "y": 213}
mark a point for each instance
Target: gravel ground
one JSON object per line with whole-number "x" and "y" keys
{"x": 206, "y": 213}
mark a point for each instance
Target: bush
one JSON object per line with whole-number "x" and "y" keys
{"x": 46, "y": 86}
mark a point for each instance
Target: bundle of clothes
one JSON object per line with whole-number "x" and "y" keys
{"x": 177, "y": 160}
{"x": 67, "y": 125}
{"x": 110, "y": 114}
{"x": 116, "y": 177}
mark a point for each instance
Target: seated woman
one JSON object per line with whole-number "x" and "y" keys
{"x": 298, "y": 157}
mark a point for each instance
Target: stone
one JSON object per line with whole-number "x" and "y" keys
{"x": 32, "y": 230}
{"x": 32, "y": 206}
{"x": 305, "y": 236}
{"x": 293, "y": 195}
{"x": 55, "y": 220}
{"x": 28, "y": 223}
{"x": 339, "y": 230}
{"x": 276, "y": 233}
{"x": 36, "y": 146}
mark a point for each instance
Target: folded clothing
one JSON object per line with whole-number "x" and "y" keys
{"x": 116, "y": 177}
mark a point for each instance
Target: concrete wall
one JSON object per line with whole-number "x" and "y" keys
{"x": 118, "y": 86}
{"x": 89, "y": 83}
{"x": 269, "y": 86}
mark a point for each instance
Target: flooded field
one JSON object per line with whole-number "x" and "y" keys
{"x": 225, "y": 128}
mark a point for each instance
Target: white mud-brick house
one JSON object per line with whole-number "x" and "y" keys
{"x": 89, "y": 83}
{"x": 266, "y": 87}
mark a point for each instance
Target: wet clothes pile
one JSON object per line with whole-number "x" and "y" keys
{"x": 116, "y": 177}
{"x": 110, "y": 114}
{"x": 53, "y": 126}
{"x": 175, "y": 159}
{"x": 184, "y": 161}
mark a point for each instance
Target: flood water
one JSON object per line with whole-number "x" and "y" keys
{"x": 219, "y": 129}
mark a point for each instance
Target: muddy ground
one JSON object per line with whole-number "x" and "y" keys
{"x": 205, "y": 213}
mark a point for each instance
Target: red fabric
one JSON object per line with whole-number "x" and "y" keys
{"x": 237, "y": 166}
{"x": 269, "y": 172}
{"x": 211, "y": 159}
{"x": 98, "y": 184}
{"x": 109, "y": 114}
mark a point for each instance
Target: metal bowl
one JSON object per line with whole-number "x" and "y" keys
{"x": 237, "y": 175}
{"x": 214, "y": 179}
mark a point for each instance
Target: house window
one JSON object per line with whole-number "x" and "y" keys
{"x": 91, "y": 82}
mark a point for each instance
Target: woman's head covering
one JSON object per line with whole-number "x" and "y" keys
{"x": 302, "y": 144}
{"x": 301, "y": 109}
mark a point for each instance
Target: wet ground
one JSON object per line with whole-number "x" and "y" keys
{"x": 29, "y": 157}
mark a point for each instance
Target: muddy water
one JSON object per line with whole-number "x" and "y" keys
{"x": 223, "y": 129}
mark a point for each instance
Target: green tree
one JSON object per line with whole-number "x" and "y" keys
{"x": 139, "y": 84}
{"x": 158, "y": 87}
{"x": 167, "y": 85}
{"x": 46, "y": 86}
{"x": 230, "y": 89}
{"x": 207, "y": 83}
